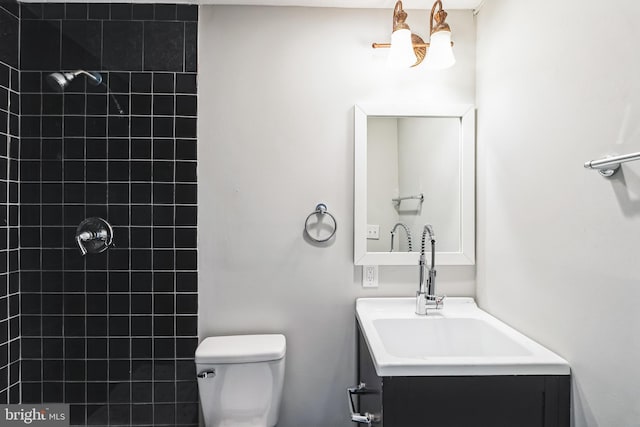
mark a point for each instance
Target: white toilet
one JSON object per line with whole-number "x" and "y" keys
{"x": 240, "y": 379}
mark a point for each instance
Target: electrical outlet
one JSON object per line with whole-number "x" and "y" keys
{"x": 373, "y": 232}
{"x": 369, "y": 276}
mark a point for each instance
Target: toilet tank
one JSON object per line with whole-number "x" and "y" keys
{"x": 240, "y": 379}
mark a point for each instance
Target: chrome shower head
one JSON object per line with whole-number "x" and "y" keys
{"x": 59, "y": 81}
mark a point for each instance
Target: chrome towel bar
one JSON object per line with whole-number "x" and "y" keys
{"x": 610, "y": 165}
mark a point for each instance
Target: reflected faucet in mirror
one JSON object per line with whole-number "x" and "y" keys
{"x": 426, "y": 296}
{"x": 407, "y": 232}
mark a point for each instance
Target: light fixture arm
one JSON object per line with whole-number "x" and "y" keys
{"x": 399, "y": 18}
{"x": 439, "y": 17}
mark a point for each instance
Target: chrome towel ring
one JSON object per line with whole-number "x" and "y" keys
{"x": 321, "y": 213}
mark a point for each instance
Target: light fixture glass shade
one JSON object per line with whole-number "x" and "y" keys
{"x": 401, "y": 54}
{"x": 440, "y": 52}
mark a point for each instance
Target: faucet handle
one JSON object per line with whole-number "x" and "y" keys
{"x": 436, "y": 301}
{"x": 94, "y": 235}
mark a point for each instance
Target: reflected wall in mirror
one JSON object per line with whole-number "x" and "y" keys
{"x": 413, "y": 178}
{"x": 414, "y": 165}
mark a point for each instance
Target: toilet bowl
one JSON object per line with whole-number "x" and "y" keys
{"x": 240, "y": 379}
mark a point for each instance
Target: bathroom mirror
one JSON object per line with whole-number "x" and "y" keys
{"x": 414, "y": 165}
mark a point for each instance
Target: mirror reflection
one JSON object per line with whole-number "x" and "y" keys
{"x": 413, "y": 178}
{"x": 414, "y": 164}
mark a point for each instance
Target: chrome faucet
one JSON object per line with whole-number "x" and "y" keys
{"x": 426, "y": 296}
{"x": 407, "y": 231}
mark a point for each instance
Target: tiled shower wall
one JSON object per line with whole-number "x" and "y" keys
{"x": 9, "y": 146}
{"x": 113, "y": 334}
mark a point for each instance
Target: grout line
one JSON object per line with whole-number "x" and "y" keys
{"x": 84, "y": 288}
{"x": 108, "y": 258}
{"x": 130, "y": 314}
{"x": 64, "y": 282}
{"x": 41, "y": 278}
{"x": 8, "y": 297}
{"x": 153, "y": 278}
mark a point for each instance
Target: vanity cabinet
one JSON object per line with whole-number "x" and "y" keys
{"x": 462, "y": 401}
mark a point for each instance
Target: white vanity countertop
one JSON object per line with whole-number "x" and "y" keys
{"x": 458, "y": 340}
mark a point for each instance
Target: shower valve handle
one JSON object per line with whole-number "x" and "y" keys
{"x": 94, "y": 235}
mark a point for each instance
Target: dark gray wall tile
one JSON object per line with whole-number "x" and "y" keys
{"x": 122, "y": 44}
{"x": 31, "y": 10}
{"x": 191, "y": 47}
{"x": 9, "y": 31}
{"x": 81, "y": 45}
{"x": 53, "y": 11}
{"x": 99, "y": 11}
{"x": 40, "y": 45}
{"x": 187, "y": 12}
{"x": 143, "y": 12}
{"x": 163, "y": 46}
{"x": 76, "y": 11}
{"x": 165, "y": 12}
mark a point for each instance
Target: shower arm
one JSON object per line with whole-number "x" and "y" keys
{"x": 99, "y": 81}
{"x": 77, "y": 73}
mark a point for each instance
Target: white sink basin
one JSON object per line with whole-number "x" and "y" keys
{"x": 459, "y": 339}
{"x": 446, "y": 337}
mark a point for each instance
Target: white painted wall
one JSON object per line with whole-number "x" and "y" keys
{"x": 276, "y": 93}
{"x": 558, "y": 83}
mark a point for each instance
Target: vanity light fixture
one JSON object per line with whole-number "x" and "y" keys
{"x": 408, "y": 49}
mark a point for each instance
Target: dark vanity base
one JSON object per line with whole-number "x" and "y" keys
{"x": 463, "y": 401}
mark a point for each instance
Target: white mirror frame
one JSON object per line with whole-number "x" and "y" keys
{"x": 466, "y": 114}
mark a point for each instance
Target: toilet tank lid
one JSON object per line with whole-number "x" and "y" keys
{"x": 241, "y": 349}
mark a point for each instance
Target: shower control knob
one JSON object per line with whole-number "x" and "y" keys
{"x": 94, "y": 235}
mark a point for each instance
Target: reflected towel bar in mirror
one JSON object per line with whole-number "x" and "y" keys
{"x": 398, "y": 200}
